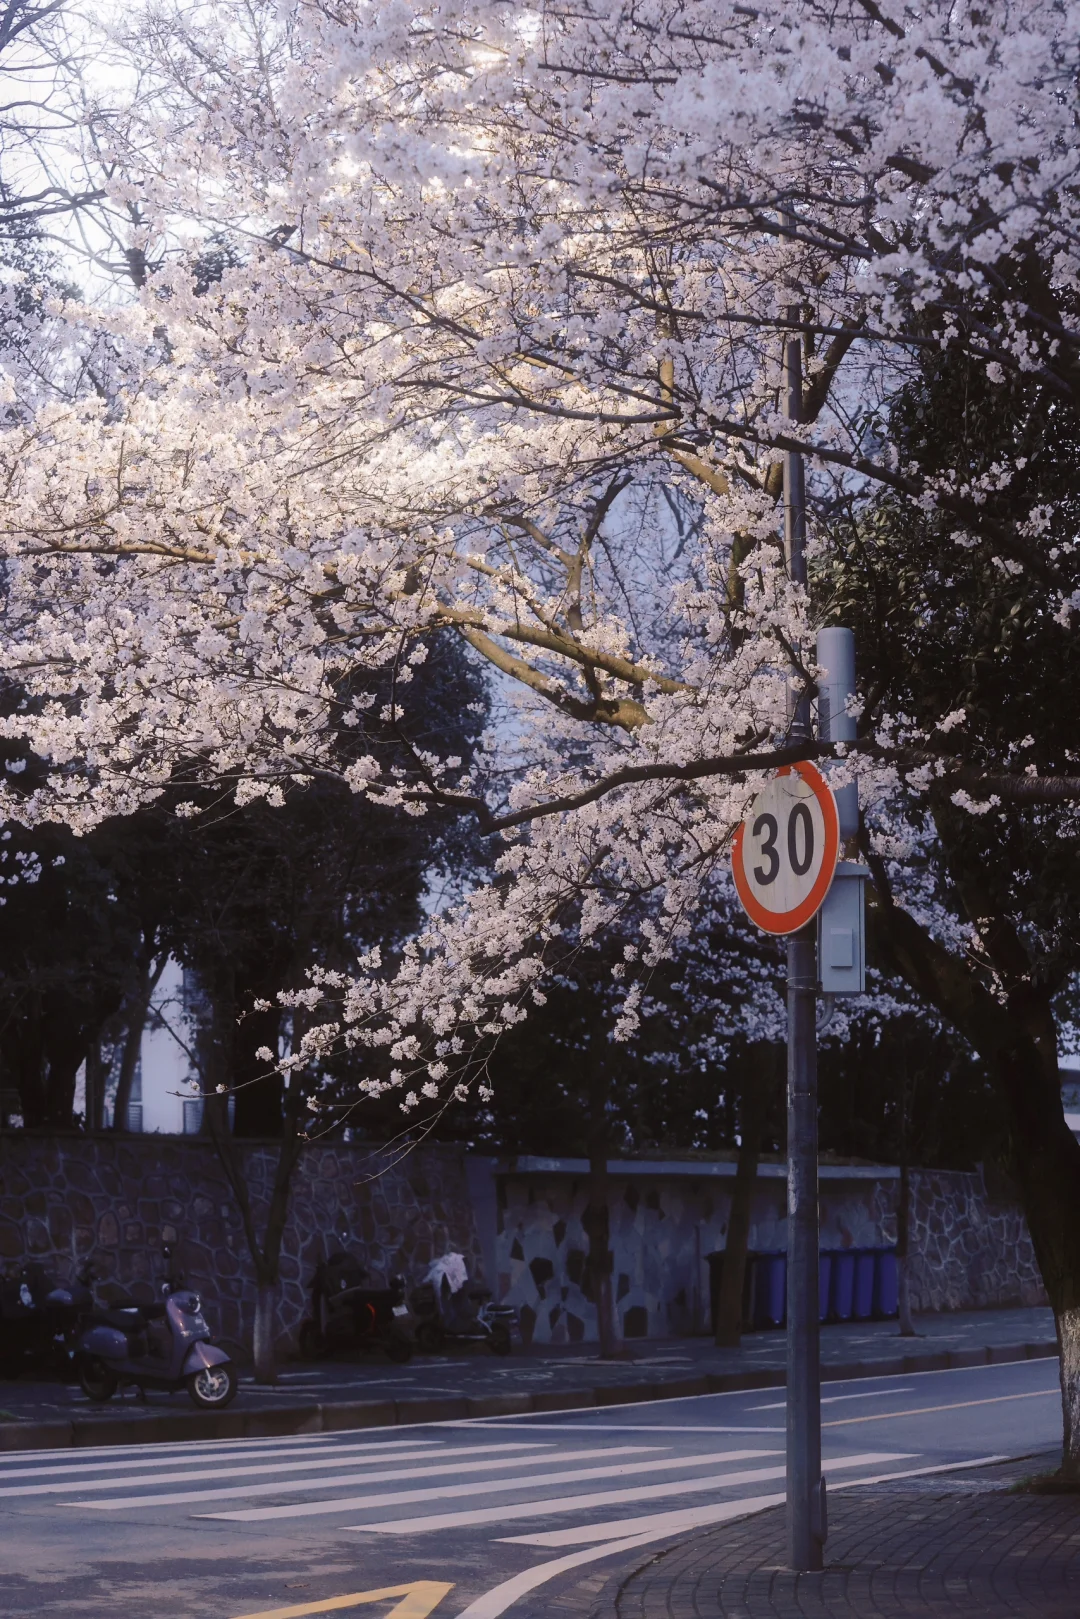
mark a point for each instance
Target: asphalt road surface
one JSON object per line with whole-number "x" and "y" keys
{"x": 464, "y": 1520}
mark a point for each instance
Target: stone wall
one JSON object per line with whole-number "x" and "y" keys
{"x": 969, "y": 1251}
{"x": 117, "y": 1200}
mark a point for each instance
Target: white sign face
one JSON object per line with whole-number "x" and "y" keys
{"x": 785, "y": 852}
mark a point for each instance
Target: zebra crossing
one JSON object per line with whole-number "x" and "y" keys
{"x": 511, "y": 1486}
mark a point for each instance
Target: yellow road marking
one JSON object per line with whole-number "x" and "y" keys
{"x": 417, "y": 1601}
{"x": 923, "y": 1411}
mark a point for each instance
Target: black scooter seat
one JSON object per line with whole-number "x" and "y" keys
{"x": 355, "y": 1295}
{"x": 127, "y": 1317}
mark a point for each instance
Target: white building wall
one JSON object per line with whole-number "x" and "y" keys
{"x": 166, "y": 1068}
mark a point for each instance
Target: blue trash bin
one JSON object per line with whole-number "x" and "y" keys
{"x": 825, "y": 1260}
{"x": 769, "y": 1290}
{"x": 886, "y": 1284}
{"x": 843, "y": 1283}
{"x": 862, "y": 1304}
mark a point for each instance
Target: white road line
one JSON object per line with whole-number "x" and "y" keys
{"x": 208, "y": 1447}
{"x": 503, "y": 1596}
{"x": 921, "y": 1472}
{"x": 138, "y": 1454}
{"x": 740, "y": 1394}
{"x": 447, "y": 1463}
{"x": 346, "y": 1453}
{"x": 696, "y": 1517}
{"x": 653, "y": 1524}
{"x": 492, "y": 1604}
{"x": 364, "y": 1503}
{"x": 602, "y": 1498}
{"x": 831, "y": 1399}
{"x": 140, "y": 1459}
{"x": 538, "y": 1425}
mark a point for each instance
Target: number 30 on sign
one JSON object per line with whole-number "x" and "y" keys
{"x": 784, "y": 854}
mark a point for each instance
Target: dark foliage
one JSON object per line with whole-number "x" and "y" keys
{"x": 248, "y": 898}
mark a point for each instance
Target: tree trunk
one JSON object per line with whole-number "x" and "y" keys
{"x": 601, "y": 1260}
{"x": 129, "y": 1061}
{"x": 138, "y": 1007}
{"x": 265, "y": 1253}
{"x": 903, "y": 1206}
{"x": 265, "y": 1332}
{"x": 95, "y": 1089}
{"x": 757, "y": 1092}
{"x": 259, "y": 1089}
{"x": 46, "y": 1039}
{"x": 1068, "y": 1335}
{"x": 1017, "y": 1038}
{"x": 217, "y": 1050}
{"x": 1046, "y": 1160}
{"x": 903, "y": 1261}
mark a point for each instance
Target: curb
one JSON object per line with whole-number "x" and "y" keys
{"x": 336, "y": 1418}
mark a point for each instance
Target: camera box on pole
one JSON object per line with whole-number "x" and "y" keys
{"x": 842, "y": 933}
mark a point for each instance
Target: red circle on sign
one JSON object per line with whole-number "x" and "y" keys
{"x": 792, "y": 921}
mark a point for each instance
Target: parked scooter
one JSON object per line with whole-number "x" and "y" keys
{"x": 345, "y": 1314}
{"x": 451, "y": 1309}
{"x": 38, "y": 1318}
{"x": 154, "y": 1346}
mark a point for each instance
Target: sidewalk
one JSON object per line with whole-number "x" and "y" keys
{"x": 372, "y": 1393}
{"x": 958, "y": 1546}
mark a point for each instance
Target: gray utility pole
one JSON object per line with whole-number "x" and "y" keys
{"x": 836, "y": 655}
{"x": 805, "y": 1485}
{"x": 841, "y": 919}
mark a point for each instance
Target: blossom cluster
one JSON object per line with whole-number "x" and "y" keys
{"x": 493, "y": 349}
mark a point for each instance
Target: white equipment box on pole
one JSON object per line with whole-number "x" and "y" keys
{"x": 842, "y": 932}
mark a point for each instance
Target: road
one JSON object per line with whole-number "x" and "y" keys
{"x": 551, "y": 1369}
{"x": 474, "y": 1518}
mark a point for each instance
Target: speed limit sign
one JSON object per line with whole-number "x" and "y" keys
{"x": 784, "y": 854}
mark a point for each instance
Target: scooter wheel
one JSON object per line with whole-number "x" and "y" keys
{"x": 399, "y": 1348}
{"x": 96, "y": 1381}
{"x": 213, "y": 1386}
{"x": 500, "y": 1342}
{"x": 429, "y": 1337}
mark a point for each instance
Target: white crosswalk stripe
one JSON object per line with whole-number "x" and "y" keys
{"x": 531, "y": 1481}
{"x": 369, "y": 1476}
{"x": 600, "y": 1498}
{"x": 461, "y": 1478}
{"x": 349, "y": 1452}
{"x": 183, "y": 1449}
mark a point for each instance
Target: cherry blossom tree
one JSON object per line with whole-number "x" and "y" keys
{"x": 496, "y": 348}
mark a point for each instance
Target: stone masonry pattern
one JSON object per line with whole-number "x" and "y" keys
{"x": 967, "y": 1246}
{"x": 117, "y": 1201}
{"x": 968, "y": 1250}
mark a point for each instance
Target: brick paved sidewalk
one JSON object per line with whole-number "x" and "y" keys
{"x": 956, "y": 1546}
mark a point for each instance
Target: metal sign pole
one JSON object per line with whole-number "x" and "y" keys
{"x": 805, "y": 1485}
